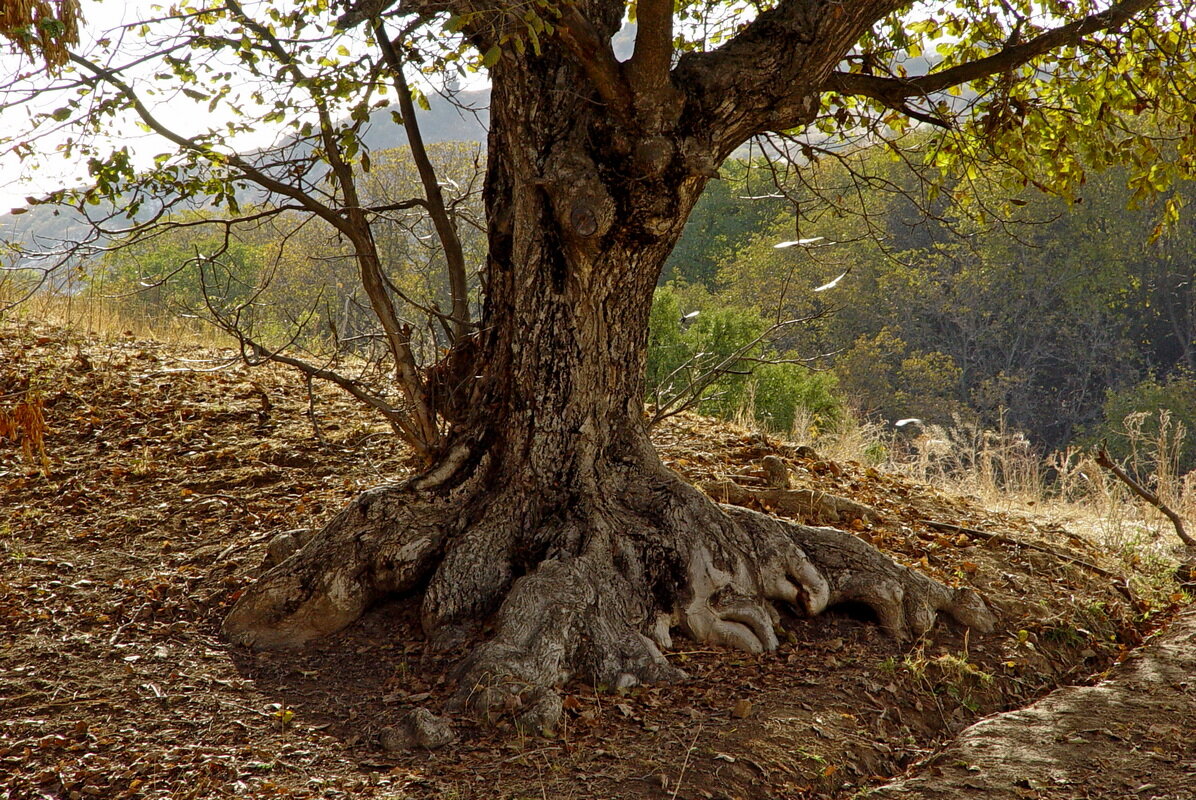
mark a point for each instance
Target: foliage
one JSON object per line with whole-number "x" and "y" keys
{"x": 723, "y": 353}
{"x": 730, "y": 211}
{"x": 184, "y": 271}
{"x": 1135, "y": 417}
{"x": 290, "y": 278}
{"x": 886, "y": 378}
{"x": 1027, "y": 320}
{"x": 41, "y": 28}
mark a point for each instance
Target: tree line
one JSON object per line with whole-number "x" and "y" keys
{"x": 1061, "y": 316}
{"x": 1057, "y": 318}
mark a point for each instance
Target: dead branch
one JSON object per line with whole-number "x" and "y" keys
{"x": 800, "y": 503}
{"x": 1003, "y": 539}
{"x": 1103, "y": 459}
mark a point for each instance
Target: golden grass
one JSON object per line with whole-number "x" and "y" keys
{"x": 102, "y": 317}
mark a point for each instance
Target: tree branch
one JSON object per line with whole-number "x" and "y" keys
{"x": 768, "y": 76}
{"x": 191, "y": 145}
{"x": 597, "y": 59}
{"x": 450, "y": 243}
{"x": 357, "y": 228}
{"x": 648, "y": 68}
{"x": 1103, "y": 459}
{"x": 892, "y": 91}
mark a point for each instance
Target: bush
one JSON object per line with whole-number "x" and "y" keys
{"x": 1141, "y": 406}
{"x": 682, "y": 353}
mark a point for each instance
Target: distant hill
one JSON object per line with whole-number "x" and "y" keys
{"x": 463, "y": 118}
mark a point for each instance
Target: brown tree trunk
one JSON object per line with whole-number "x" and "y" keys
{"x": 548, "y": 503}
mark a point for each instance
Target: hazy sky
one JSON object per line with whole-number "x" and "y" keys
{"x": 18, "y": 180}
{"x": 99, "y": 17}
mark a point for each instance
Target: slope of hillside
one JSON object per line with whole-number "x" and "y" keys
{"x": 167, "y": 478}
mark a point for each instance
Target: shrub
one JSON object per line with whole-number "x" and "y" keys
{"x": 701, "y": 352}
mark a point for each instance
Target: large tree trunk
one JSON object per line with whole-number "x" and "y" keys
{"x": 548, "y": 503}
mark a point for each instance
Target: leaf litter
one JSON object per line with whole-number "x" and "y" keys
{"x": 120, "y": 557}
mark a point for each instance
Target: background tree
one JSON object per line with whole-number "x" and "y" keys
{"x": 543, "y": 498}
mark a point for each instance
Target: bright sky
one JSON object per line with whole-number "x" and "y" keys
{"x": 18, "y": 180}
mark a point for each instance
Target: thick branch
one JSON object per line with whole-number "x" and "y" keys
{"x": 891, "y": 91}
{"x": 648, "y": 69}
{"x": 768, "y": 77}
{"x": 450, "y": 243}
{"x": 597, "y": 59}
{"x": 357, "y": 228}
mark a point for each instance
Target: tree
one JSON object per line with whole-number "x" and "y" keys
{"x": 543, "y": 498}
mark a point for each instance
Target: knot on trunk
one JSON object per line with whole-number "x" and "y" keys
{"x": 582, "y": 205}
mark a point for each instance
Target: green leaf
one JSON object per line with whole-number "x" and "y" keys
{"x": 491, "y": 57}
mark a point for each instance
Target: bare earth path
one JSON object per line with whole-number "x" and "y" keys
{"x": 1131, "y": 735}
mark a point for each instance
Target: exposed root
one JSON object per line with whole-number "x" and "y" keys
{"x": 595, "y": 616}
{"x": 568, "y": 617}
{"x": 605, "y": 582}
{"x": 470, "y": 581}
{"x": 848, "y": 569}
{"x": 385, "y": 542}
{"x": 802, "y": 503}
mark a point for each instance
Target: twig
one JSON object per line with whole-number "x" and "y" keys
{"x": 1103, "y": 459}
{"x": 685, "y": 761}
{"x": 1000, "y": 537}
{"x": 311, "y": 409}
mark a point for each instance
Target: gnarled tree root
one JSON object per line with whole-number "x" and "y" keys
{"x": 385, "y": 542}
{"x": 804, "y": 504}
{"x": 610, "y": 580}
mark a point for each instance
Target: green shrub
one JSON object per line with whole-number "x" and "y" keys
{"x": 1141, "y": 405}
{"x": 725, "y": 339}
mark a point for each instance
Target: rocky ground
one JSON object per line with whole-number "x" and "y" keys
{"x": 164, "y": 478}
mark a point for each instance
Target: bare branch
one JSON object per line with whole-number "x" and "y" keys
{"x": 892, "y": 91}
{"x": 446, "y": 231}
{"x": 1103, "y": 459}
{"x": 691, "y": 394}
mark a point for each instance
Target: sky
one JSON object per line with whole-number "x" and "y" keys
{"x": 15, "y": 179}
{"x": 18, "y": 180}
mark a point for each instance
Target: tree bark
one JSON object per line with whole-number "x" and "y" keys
{"x": 547, "y": 503}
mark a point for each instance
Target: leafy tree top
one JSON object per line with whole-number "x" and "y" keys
{"x": 1048, "y": 87}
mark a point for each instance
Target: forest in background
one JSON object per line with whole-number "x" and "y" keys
{"x": 1025, "y": 313}
{"x": 1058, "y": 320}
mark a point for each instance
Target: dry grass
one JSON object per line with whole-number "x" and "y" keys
{"x": 100, "y": 316}
{"x": 1003, "y": 471}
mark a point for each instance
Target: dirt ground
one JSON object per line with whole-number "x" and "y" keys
{"x": 1131, "y": 735}
{"x": 167, "y": 477}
